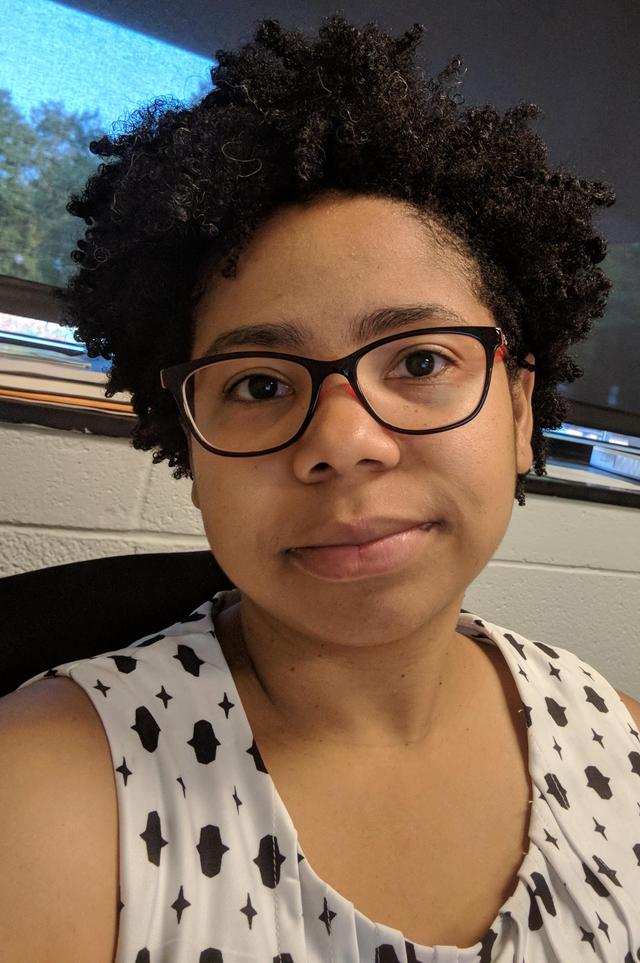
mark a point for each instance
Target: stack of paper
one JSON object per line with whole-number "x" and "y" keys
{"x": 59, "y": 375}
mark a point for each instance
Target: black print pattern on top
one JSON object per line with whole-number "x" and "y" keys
{"x": 211, "y": 869}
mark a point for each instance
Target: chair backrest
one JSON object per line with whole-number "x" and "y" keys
{"x": 56, "y": 615}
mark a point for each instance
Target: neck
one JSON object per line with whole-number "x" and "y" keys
{"x": 401, "y": 693}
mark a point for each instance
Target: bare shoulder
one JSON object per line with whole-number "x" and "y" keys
{"x": 632, "y": 705}
{"x": 58, "y": 695}
{"x": 58, "y": 827}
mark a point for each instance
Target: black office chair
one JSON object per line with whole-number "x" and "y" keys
{"x": 67, "y": 612}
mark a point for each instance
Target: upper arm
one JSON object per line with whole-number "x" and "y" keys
{"x": 58, "y": 828}
{"x": 632, "y": 705}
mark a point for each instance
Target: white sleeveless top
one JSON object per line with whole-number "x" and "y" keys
{"x": 211, "y": 869}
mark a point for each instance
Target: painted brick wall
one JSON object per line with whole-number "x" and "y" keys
{"x": 567, "y": 572}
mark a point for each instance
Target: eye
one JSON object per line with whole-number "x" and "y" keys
{"x": 423, "y": 362}
{"x": 261, "y": 386}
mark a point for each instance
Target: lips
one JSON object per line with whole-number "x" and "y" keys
{"x": 379, "y": 557}
{"x": 360, "y": 532}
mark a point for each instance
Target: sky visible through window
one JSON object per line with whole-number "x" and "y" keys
{"x": 78, "y": 64}
{"x": 49, "y": 52}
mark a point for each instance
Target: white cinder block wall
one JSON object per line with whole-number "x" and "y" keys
{"x": 567, "y": 572}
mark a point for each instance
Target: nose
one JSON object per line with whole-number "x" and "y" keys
{"x": 334, "y": 387}
{"x": 342, "y": 437}
{"x": 347, "y": 387}
{"x": 341, "y": 385}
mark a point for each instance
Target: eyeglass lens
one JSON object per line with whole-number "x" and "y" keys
{"x": 419, "y": 382}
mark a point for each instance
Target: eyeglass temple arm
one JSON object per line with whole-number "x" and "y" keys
{"x": 521, "y": 363}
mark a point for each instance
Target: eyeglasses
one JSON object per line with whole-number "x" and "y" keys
{"x": 247, "y": 403}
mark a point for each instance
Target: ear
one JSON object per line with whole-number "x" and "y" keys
{"x": 194, "y": 485}
{"x": 521, "y": 396}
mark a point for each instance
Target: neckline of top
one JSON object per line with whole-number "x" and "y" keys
{"x": 478, "y": 630}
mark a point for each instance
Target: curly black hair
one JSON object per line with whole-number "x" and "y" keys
{"x": 292, "y": 118}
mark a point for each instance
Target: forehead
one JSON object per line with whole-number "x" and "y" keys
{"x": 319, "y": 268}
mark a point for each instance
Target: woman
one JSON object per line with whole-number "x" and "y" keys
{"x": 342, "y": 305}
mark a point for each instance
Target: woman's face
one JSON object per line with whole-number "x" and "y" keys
{"x": 318, "y": 268}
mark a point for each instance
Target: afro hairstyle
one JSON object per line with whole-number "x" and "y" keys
{"x": 291, "y": 118}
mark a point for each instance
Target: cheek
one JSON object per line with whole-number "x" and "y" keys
{"x": 476, "y": 465}
{"x": 235, "y": 502}
{"x": 474, "y": 458}
{"x": 479, "y": 479}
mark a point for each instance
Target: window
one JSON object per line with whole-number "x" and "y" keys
{"x": 66, "y": 77}
{"x": 81, "y": 76}
{"x": 69, "y": 71}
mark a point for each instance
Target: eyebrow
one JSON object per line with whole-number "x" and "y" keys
{"x": 368, "y": 327}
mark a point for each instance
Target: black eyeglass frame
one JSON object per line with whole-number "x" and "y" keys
{"x": 174, "y": 378}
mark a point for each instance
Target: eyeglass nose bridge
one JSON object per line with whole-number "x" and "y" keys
{"x": 321, "y": 370}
